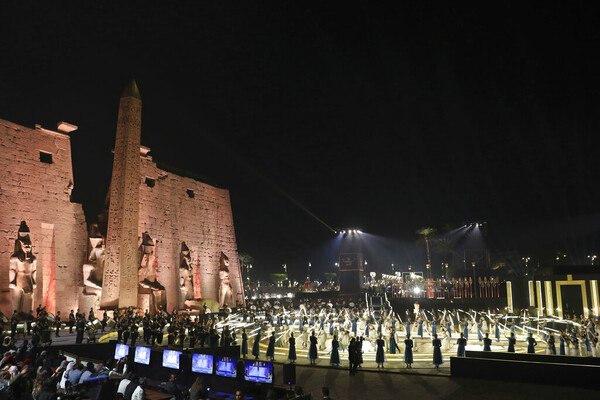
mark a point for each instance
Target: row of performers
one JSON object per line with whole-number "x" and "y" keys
{"x": 455, "y": 288}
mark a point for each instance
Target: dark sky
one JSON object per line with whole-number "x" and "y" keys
{"x": 390, "y": 119}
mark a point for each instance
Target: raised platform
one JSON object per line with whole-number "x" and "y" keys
{"x": 526, "y": 369}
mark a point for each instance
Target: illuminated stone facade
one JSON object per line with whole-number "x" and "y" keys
{"x": 36, "y": 180}
{"x": 176, "y": 209}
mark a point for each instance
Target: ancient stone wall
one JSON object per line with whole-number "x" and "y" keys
{"x": 36, "y": 179}
{"x": 175, "y": 209}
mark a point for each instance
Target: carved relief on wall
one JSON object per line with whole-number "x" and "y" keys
{"x": 225, "y": 290}
{"x": 21, "y": 276}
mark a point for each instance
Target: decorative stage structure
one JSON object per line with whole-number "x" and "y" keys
{"x": 169, "y": 240}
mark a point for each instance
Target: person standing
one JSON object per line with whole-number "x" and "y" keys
{"x": 134, "y": 334}
{"x": 71, "y": 321}
{"x": 292, "y": 349}
{"x": 437, "y": 352}
{"x": 497, "y": 330}
{"x": 380, "y": 353}
{"x": 313, "y": 353}
{"x": 29, "y": 322}
{"x": 334, "y": 359}
{"x": 244, "y": 343}
{"x": 79, "y": 328}
{"x": 57, "y": 323}
{"x": 392, "y": 345}
{"x": 104, "y": 321}
{"x": 531, "y": 343}
{"x": 462, "y": 343}
{"x": 256, "y": 345}
{"x": 408, "y": 351}
{"x": 270, "y": 355}
{"x": 13, "y": 325}
{"x": 511, "y": 343}
{"x": 487, "y": 343}
{"x": 551, "y": 346}
{"x": 353, "y": 356}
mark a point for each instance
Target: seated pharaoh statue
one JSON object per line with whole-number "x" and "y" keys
{"x": 94, "y": 270}
{"x": 148, "y": 264}
{"x": 186, "y": 274}
{"x": 22, "y": 269}
{"x": 225, "y": 291}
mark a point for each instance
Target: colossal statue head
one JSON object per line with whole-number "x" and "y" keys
{"x": 147, "y": 244}
{"x": 186, "y": 258}
{"x": 23, "y": 244}
{"x": 224, "y": 263}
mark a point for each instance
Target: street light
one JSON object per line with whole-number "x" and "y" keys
{"x": 592, "y": 258}
{"x": 474, "y": 280}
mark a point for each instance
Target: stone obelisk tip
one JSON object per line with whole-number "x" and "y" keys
{"x": 131, "y": 90}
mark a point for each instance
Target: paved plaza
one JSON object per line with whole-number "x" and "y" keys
{"x": 422, "y": 382}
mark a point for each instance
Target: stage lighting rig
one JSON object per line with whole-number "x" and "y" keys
{"x": 353, "y": 230}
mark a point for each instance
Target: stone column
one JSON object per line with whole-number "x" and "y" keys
{"x": 120, "y": 282}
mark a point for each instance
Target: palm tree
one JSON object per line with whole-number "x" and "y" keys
{"x": 445, "y": 247}
{"x": 426, "y": 232}
{"x": 245, "y": 260}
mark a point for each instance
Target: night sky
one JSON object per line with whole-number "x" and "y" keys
{"x": 390, "y": 119}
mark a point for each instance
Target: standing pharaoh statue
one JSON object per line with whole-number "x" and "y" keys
{"x": 94, "y": 269}
{"x": 148, "y": 264}
{"x": 186, "y": 274}
{"x": 22, "y": 269}
{"x": 225, "y": 292}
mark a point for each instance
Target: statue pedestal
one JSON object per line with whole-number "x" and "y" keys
{"x": 89, "y": 297}
{"x": 146, "y": 300}
{"x": 151, "y": 299}
{"x": 160, "y": 299}
{"x": 197, "y": 304}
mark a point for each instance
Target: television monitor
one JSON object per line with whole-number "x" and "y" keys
{"x": 226, "y": 366}
{"x": 258, "y": 371}
{"x": 171, "y": 359}
{"x": 142, "y": 355}
{"x": 121, "y": 350}
{"x": 202, "y": 363}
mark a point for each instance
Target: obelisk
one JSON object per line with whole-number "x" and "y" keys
{"x": 120, "y": 283}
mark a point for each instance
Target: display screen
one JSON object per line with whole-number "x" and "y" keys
{"x": 202, "y": 363}
{"x": 142, "y": 355}
{"x": 226, "y": 366}
{"x": 258, "y": 371}
{"x": 122, "y": 350}
{"x": 171, "y": 359}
